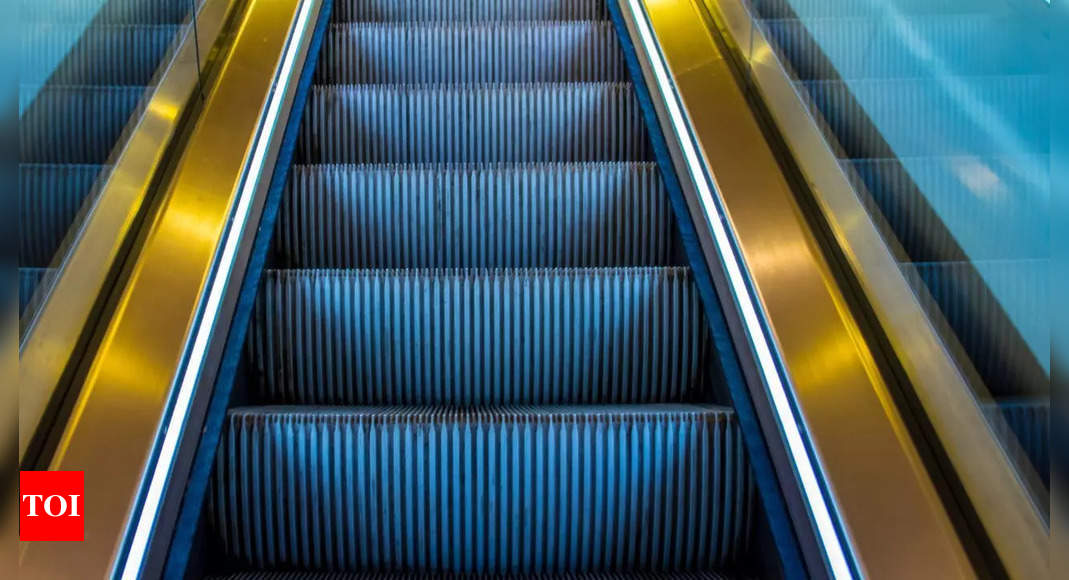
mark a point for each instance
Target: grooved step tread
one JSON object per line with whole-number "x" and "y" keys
{"x": 514, "y": 52}
{"x": 479, "y": 336}
{"x": 98, "y": 112}
{"x": 570, "y": 122}
{"x": 102, "y": 55}
{"x": 448, "y": 576}
{"x": 49, "y": 199}
{"x": 480, "y": 215}
{"x": 494, "y": 489}
{"x": 467, "y": 10}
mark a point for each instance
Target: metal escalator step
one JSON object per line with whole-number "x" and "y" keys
{"x": 109, "y": 12}
{"x": 1000, "y": 312}
{"x": 1028, "y": 421}
{"x": 865, "y": 48}
{"x": 467, "y": 10}
{"x": 493, "y": 489}
{"x": 497, "y": 215}
{"x": 102, "y": 55}
{"x": 49, "y": 199}
{"x": 478, "y": 123}
{"x": 874, "y": 8}
{"x": 926, "y": 117}
{"x": 447, "y": 576}
{"x": 75, "y": 124}
{"x": 471, "y": 53}
{"x": 470, "y": 337}
{"x": 29, "y": 279}
{"x": 920, "y": 196}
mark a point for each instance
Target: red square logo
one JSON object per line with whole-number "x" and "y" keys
{"x": 51, "y": 506}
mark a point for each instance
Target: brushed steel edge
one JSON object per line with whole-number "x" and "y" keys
{"x": 53, "y": 332}
{"x": 1002, "y": 500}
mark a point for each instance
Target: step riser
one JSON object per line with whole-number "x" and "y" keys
{"x": 110, "y": 12}
{"x": 467, "y": 10}
{"x": 1020, "y": 103}
{"x": 490, "y": 216}
{"x": 103, "y": 56}
{"x": 568, "y": 52}
{"x": 100, "y": 113}
{"x": 29, "y": 279}
{"x": 874, "y": 8}
{"x": 482, "y": 494}
{"x": 49, "y": 198}
{"x": 878, "y": 48}
{"x": 566, "y": 123}
{"x": 383, "y": 337}
{"x": 447, "y": 576}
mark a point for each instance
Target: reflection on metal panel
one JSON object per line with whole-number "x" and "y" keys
{"x": 877, "y": 487}
{"x": 115, "y": 423}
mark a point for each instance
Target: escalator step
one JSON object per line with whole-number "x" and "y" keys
{"x": 874, "y": 8}
{"x": 469, "y": 337}
{"x": 1029, "y": 422}
{"x": 477, "y": 123}
{"x": 29, "y": 278}
{"x": 75, "y": 124}
{"x": 858, "y": 48}
{"x": 495, "y": 489}
{"x": 471, "y": 53}
{"x": 525, "y": 215}
{"x": 923, "y": 197}
{"x": 104, "y": 12}
{"x": 49, "y": 199}
{"x": 1000, "y": 311}
{"x": 103, "y": 55}
{"x": 1016, "y": 103}
{"x": 467, "y": 10}
{"x": 446, "y": 576}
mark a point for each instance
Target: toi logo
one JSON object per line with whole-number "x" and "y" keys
{"x": 51, "y": 506}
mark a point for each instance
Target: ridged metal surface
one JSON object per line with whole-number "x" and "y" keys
{"x": 478, "y": 336}
{"x": 49, "y": 198}
{"x": 109, "y": 12}
{"x": 989, "y": 201}
{"x": 29, "y": 279}
{"x": 472, "y": 123}
{"x": 1028, "y": 421}
{"x": 75, "y": 124}
{"x": 103, "y": 55}
{"x": 974, "y": 298}
{"x": 467, "y": 10}
{"x": 471, "y": 53}
{"x": 526, "y": 215}
{"x": 948, "y": 128}
{"x": 872, "y": 47}
{"x": 874, "y": 8}
{"x": 449, "y": 576}
{"x": 495, "y": 489}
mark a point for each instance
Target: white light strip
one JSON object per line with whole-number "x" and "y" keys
{"x": 796, "y": 445}
{"x": 150, "y": 509}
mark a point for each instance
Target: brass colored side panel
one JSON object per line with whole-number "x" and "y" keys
{"x": 52, "y": 337}
{"x": 894, "y": 519}
{"x": 1010, "y": 516}
{"x": 116, "y": 417}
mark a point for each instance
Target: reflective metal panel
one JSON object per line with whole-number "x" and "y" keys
{"x": 116, "y": 421}
{"x": 878, "y": 489}
{"x": 1001, "y": 498}
{"x": 53, "y": 334}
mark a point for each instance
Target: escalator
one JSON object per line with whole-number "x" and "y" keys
{"x": 477, "y": 348}
{"x": 940, "y": 113}
{"x": 71, "y": 121}
{"x": 511, "y": 289}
